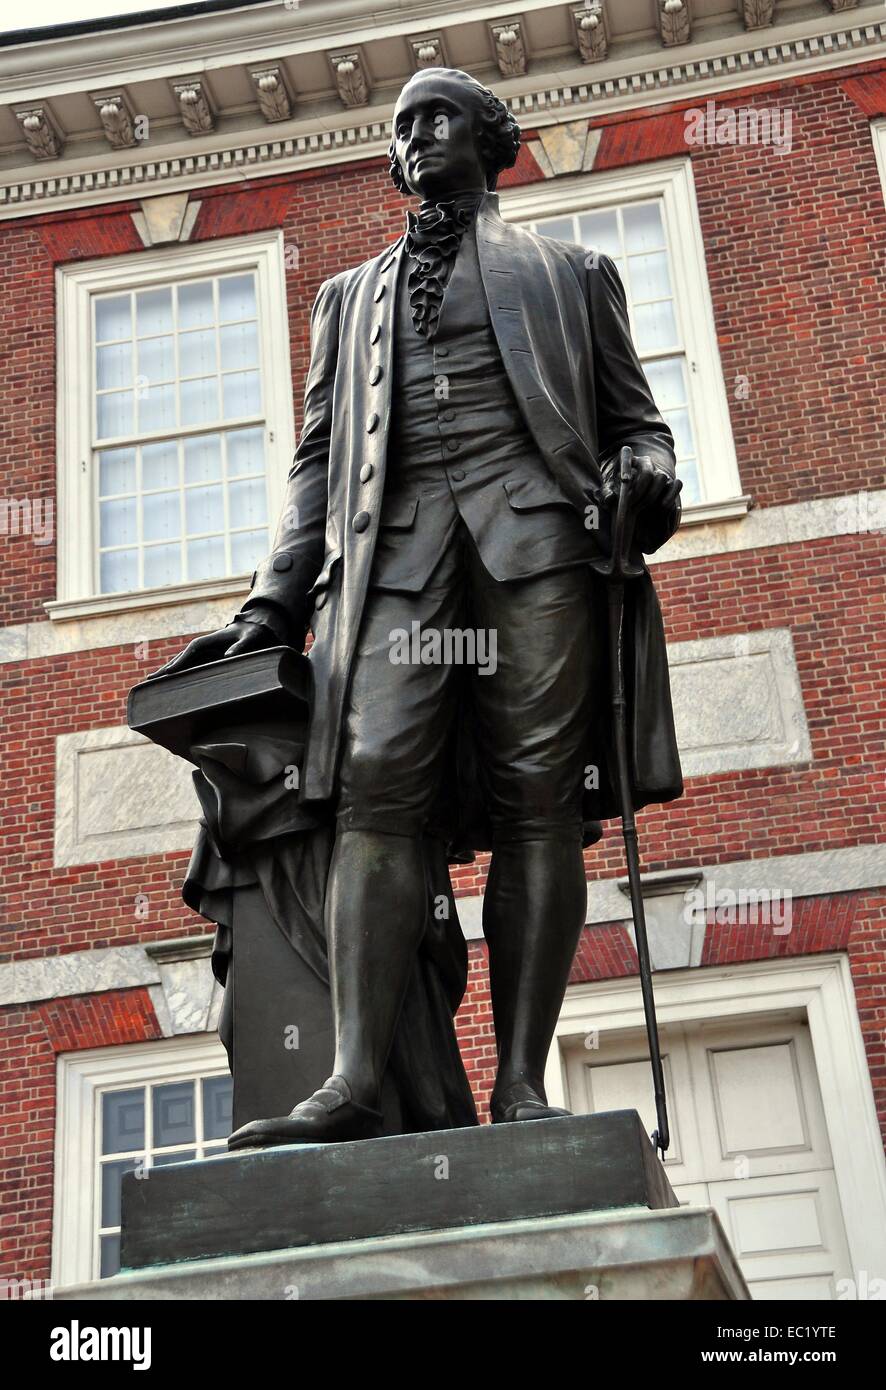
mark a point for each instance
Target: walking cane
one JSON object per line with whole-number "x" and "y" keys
{"x": 616, "y": 570}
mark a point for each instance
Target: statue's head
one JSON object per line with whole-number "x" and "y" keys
{"x": 450, "y": 133}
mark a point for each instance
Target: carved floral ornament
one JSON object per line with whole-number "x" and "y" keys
{"x": 674, "y": 22}
{"x": 42, "y": 135}
{"x": 349, "y": 71}
{"x": 271, "y": 92}
{"x": 591, "y": 33}
{"x": 510, "y": 48}
{"x": 428, "y": 51}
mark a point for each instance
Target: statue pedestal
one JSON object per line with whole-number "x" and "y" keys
{"x": 578, "y": 1207}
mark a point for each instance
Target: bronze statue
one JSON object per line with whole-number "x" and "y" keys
{"x": 470, "y": 393}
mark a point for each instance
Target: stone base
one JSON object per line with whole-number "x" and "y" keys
{"x": 257, "y": 1200}
{"x": 632, "y": 1254}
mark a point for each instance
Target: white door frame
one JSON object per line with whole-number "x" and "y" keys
{"x": 822, "y": 987}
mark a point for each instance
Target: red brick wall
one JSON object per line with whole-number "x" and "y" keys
{"x": 31, "y": 1037}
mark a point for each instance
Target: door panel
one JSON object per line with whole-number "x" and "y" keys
{"x": 748, "y": 1139}
{"x": 785, "y": 1227}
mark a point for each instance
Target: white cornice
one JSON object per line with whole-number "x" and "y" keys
{"x": 324, "y": 140}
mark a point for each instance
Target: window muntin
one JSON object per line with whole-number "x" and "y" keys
{"x": 146, "y": 1126}
{"x": 634, "y": 236}
{"x": 178, "y": 432}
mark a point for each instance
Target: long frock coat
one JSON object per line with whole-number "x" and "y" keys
{"x": 561, "y": 322}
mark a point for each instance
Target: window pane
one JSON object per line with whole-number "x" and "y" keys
{"x": 113, "y": 366}
{"x": 241, "y": 395}
{"x": 195, "y": 306}
{"x": 160, "y": 465}
{"x": 246, "y": 452}
{"x": 667, "y": 381}
{"x": 202, "y": 458}
{"x": 236, "y": 297}
{"x": 218, "y": 1096}
{"x": 112, "y": 1173}
{"x": 688, "y": 471}
{"x": 156, "y": 360}
{"x": 247, "y": 502}
{"x": 599, "y": 232}
{"x": 118, "y": 523}
{"x": 644, "y": 230}
{"x": 123, "y": 1121}
{"x": 163, "y": 565}
{"x": 194, "y": 364}
{"x": 180, "y": 1156}
{"x": 116, "y": 471}
{"x": 199, "y": 400}
{"x": 197, "y": 353}
{"x": 560, "y": 228}
{"x": 153, "y": 312}
{"x": 681, "y": 429}
{"x": 206, "y": 558}
{"x": 118, "y": 571}
{"x": 114, "y": 414}
{"x": 110, "y": 1256}
{"x": 239, "y": 345}
{"x": 156, "y": 408}
{"x": 173, "y": 1107}
{"x": 113, "y": 318}
{"x": 161, "y": 516}
{"x": 655, "y": 326}
{"x": 247, "y": 548}
{"x": 204, "y": 509}
{"x": 649, "y": 275}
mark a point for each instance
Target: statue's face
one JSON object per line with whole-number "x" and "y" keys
{"x": 434, "y": 136}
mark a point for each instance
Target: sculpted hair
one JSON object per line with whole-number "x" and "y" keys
{"x": 498, "y": 135}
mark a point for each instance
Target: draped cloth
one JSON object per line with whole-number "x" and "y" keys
{"x": 254, "y": 831}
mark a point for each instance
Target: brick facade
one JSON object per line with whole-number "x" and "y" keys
{"x": 794, "y": 247}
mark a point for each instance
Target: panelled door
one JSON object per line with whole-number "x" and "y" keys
{"x": 748, "y": 1138}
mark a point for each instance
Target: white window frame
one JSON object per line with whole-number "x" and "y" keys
{"x": 81, "y": 1077}
{"x": 76, "y": 537}
{"x": 820, "y": 987}
{"x": 878, "y": 135}
{"x": 673, "y": 183}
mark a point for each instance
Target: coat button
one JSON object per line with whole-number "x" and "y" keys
{"x": 321, "y": 599}
{"x": 448, "y": 415}
{"x": 442, "y": 352}
{"x": 458, "y": 475}
{"x": 371, "y": 422}
{"x": 376, "y": 333}
{"x": 361, "y": 521}
{"x": 453, "y": 446}
{"x": 375, "y": 375}
{"x": 281, "y": 563}
{"x": 379, "y": 291}
{"x": 366, "y": 472}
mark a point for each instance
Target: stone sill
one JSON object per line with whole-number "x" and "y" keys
{"x": 105, "y": 605}
{"x": 729, "y": 509}
{"x": 237, "y": 586}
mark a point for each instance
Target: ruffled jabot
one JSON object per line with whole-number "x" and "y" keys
{"x": 432, "y": 241}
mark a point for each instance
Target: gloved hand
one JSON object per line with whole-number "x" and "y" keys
{"x": 244, "y": 634}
